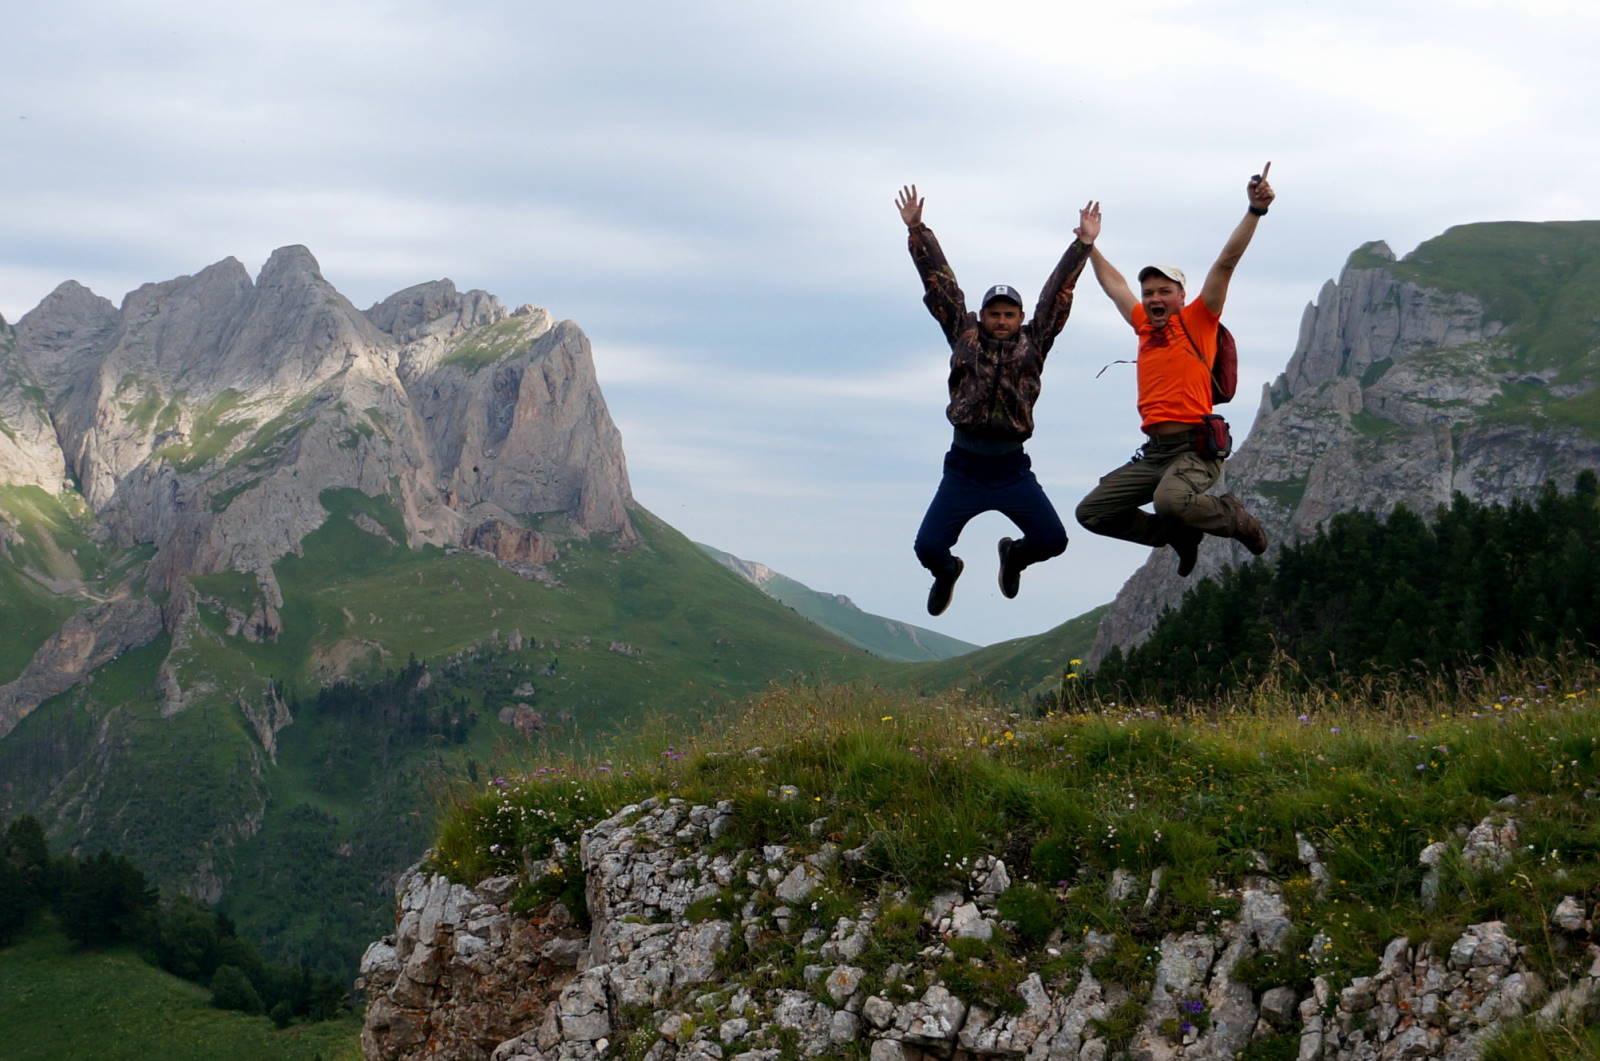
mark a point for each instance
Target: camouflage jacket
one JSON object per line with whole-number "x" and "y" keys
{"x": 994, "y": 382}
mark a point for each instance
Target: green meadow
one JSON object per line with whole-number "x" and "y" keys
{"x": 59, "y": 1002}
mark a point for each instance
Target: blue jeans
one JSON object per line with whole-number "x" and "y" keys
{"x": 974, "y": 483}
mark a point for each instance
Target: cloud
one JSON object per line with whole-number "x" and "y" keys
{"x": 706, "y": 188}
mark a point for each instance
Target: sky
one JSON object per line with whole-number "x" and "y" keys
{"x": 707, "y": 189}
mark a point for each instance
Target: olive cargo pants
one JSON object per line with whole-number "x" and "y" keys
{"x": 1168, "y": 472}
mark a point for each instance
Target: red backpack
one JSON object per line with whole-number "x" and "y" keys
{"x": 1224, "y": 367}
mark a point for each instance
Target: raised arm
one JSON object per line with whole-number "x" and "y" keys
{"x": 1215, "y": 291}
{"x": 1055, "y": 298}
{"x": 1114, "y": 285}
{"x": 943, "y": 296}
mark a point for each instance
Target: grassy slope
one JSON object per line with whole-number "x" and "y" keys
{"x": 103, "y": 757}
{"x": 55, "y": 545}
{"x": 58, "y": 1002}
{"x": 1013, "y": 669}
{"x": 882, "y": 637}
{"x": 1543, "y": 281}
{"x": 689, "y": 635}
{"x": 703, "y": 631}
{"x": 31, "y": 613}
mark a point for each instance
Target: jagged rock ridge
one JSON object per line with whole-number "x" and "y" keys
{"x": 1469, "y": 366}
{"x": 207, "y": 415}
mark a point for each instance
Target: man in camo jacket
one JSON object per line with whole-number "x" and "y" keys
{"x": 996, "y": 361}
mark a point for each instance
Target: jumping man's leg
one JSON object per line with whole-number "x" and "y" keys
{"x": 958, "y": 499}
{"x": 1180, "y": 497}
{"x": 1181, "y": 494}
{"x": 1112, "y": 508}
{"x": 1024, "y": 503}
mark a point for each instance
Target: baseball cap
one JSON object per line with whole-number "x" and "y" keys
{"x": 1171, "y": 272}
{"x": 1005, "y": 291}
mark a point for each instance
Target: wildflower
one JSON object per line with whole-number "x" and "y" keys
{"x": 886, "y": 718}
{"x": 1075, "y": 662}
{"x": 1333, "y": 729}
{"x": 1304, "y": 719}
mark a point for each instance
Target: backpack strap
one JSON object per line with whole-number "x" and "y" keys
{"x": 1192, "y": 344}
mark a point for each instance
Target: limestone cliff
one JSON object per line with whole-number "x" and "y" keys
{"x": 29, "y": 452}
{"x": 464, "y": 976}
{"x": 1471, "y": 365}
{"x": 206, "y": 417}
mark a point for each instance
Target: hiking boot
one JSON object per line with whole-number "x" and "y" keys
{"x": 1010, "y": 573}
{"x": 1186, "y": 543}
{"x": 944, "y": 587}
{"x": 1246, "y": 528}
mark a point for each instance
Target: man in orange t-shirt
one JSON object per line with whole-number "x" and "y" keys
{"x": 1177, "y": 345}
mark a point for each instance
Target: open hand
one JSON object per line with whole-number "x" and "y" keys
{"x": 1088, "y": 229}
{"x": 909, "y": 205}
{"x": 1260, "y": 192}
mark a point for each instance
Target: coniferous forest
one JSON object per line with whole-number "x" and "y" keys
{"x": 1375, "y": 597}
{"x": 105, "y": 900}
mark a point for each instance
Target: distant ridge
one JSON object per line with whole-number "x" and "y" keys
{"x": 887, "y": 638}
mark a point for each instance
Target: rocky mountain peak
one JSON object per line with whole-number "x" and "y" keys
{"x": 434, "y": 308}
{"x": 291, "y": 265}
{"x": 1469, "y": 366}
{"x": 210, "y": 413}
{"x": 59, "y": 336}
{"x": 1376, "y": 248}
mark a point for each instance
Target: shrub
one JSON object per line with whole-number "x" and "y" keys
{"x": 231, "y": 989}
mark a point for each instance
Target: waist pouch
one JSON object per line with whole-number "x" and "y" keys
{"x": 1212, "y": 439}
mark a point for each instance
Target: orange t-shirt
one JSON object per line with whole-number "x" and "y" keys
{"x": 1175, "y": 365}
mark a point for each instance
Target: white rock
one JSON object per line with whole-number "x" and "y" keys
{"x": 1568, "y": 915}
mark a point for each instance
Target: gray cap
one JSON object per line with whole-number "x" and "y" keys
{"x": 1005, "y": 291}
{"x": 1171, "y": 272}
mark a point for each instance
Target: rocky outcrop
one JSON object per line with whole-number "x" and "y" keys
{"x": 29, "y": 451}
{"x": 462, "y": 974}
{"x": 209, "y": 413}
{"x": 1400, "y": 390}
{"x": 666, "y": 970}
{"x": 92, "y": 638}
{"x": 510, "y": 545}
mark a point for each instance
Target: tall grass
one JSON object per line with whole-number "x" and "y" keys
{"x": 923, "y": 787}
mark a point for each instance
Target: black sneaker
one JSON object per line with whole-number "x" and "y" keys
{"x": 1010, "y": 574}
{"x": 1186, "y": 543}
{"x": 944, "y": 587}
